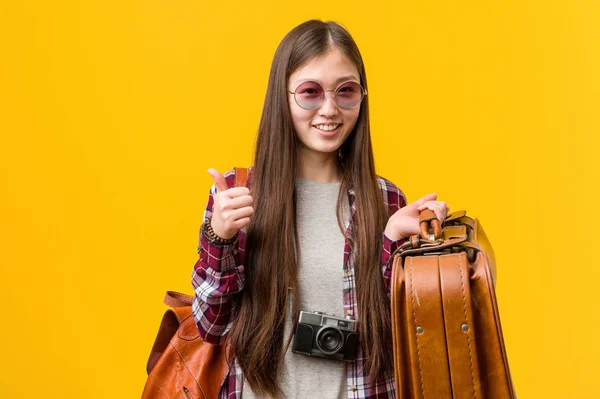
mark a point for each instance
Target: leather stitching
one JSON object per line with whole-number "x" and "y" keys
{"x": 412, "y": 302}
{"x": 460, "y": 268}
{"x": 188, "y": 369}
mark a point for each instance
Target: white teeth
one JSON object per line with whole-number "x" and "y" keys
{"x": 327, "y": 127}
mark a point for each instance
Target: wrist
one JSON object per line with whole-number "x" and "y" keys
{"x": 215, "y": 238}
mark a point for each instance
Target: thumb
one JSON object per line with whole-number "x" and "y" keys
{"x": 422, "y": 200}
{"x": 220, "y": 181}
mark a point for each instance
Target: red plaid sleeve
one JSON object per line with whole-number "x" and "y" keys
{"x": 394, "y": 199}
{"x": 218, "y": 279}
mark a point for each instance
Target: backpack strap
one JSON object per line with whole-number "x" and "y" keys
{"x": 241, "y": 177}
{"x": 177, "y": 299}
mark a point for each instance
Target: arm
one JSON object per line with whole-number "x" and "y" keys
{"x": 389, "y": 247}
{"x": 218, "y": 279}
{"x": 394, "y": 199}
{"x": 404, "y": 221}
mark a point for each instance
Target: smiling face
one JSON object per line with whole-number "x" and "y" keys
{"x": 324, "y": 129}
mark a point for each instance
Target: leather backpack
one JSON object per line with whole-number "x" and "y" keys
{"x": 181, "y": 365}
{"x": 447, "y": 337}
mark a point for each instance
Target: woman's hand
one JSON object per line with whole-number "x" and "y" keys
{"x": 232, "y": 207}
{"x": 405, "y": 222}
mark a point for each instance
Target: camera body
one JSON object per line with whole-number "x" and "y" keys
{"x": 326, "y": 336}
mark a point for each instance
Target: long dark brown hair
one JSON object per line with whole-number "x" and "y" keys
{"x": 271, "y": 266}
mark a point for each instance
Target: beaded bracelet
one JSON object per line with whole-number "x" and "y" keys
{"x": 211, "y": 236}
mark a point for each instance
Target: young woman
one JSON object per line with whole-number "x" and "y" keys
{"x": 313, "y": 231}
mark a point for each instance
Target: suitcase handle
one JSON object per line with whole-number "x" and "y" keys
{"x": 428, "y": 221}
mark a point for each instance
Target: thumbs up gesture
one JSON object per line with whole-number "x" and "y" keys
{"x": 405, "y": 222}
{"x": 232, "y": 207}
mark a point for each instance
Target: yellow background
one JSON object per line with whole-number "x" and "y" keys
{"x": 112, "y": 111}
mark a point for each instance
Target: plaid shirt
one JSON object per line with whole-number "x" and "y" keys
{"x": 218, "y": 279}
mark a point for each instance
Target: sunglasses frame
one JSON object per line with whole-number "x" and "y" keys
{"x": 334, "y": 92}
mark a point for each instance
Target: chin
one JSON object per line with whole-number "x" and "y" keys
{"x": 331, "y": 150}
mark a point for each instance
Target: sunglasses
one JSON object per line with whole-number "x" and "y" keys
{"x": 310, "y": 95}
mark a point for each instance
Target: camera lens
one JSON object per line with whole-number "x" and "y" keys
{"x": 330, "y": 340}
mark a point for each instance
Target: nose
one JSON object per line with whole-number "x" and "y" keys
{"x": 329, "y": 106}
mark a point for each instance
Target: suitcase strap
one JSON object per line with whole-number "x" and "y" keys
{"x": 426, "y": 331}
{"x": 439, "y": 316}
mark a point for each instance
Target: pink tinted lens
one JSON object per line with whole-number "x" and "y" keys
{"x": 309, "y": 95}
{"x": 348, "y": 95}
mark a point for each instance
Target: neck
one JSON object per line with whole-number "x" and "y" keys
{"x": 319, "y": 167}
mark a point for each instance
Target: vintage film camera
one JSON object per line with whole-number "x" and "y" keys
{"x": 327, "y": 336}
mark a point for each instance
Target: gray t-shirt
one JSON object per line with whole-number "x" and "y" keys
{"x": 321, "y": 289}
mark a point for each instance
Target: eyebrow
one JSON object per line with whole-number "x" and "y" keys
{"x": 338, "y": 81}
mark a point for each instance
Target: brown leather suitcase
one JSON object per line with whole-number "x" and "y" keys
{"x": 447, "y": 336}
